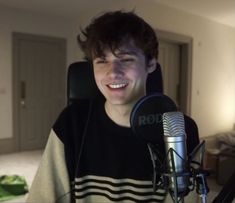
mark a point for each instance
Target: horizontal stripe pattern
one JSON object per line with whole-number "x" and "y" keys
{"x": 108, "y": 189}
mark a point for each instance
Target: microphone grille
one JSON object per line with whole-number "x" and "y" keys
{"x": 173, "y": 124}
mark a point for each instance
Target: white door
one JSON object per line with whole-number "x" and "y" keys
{"x": 169, "y": 59}
{"x": 41, "y": 77}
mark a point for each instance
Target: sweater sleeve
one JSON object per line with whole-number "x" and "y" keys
{"x": 51, "y": 183}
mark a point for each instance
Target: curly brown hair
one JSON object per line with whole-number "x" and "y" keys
{"x": 111, "y": 29}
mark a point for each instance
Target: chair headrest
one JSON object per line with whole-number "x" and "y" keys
{"x": 154, "y": 81}
{"x": 81, "y": 83}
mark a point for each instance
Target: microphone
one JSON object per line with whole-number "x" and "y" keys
{"x": 176, "y": 154}
{"x": 155, "y": 120}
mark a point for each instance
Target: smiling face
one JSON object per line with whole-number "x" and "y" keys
{"x": 121, "y": 76}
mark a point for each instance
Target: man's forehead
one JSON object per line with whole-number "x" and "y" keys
{"x": 124, "y": 49}
{"x": 128, "y": 47}
{"x": 125, "y": 52}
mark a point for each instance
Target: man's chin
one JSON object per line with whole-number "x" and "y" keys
{"x": 116, "y": 101}
{"x": 120, "y": 101}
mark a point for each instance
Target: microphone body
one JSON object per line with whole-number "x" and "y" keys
{"x": 176, "y": 153}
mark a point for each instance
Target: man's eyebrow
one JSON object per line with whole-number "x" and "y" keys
{"x": 98, "y": 57}
{"x": 124, "y": 52}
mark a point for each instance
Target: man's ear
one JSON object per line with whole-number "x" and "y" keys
{"x": 151, "y": 66}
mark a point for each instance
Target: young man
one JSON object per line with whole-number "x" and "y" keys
{"x": 100, "y": 160}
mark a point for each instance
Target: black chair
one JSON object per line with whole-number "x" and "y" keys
{"x": 81, "y": 85}
{"x": 227, "y": 194}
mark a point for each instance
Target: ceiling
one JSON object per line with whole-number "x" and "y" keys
{"x": 222, "y": 11}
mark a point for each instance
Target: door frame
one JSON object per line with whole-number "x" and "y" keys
{"x": 16, "y": 37}
{"x": 186, "y": 47}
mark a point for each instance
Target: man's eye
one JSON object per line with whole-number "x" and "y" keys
{"x": 101, "y": 61}
{"x": 125, "y": 60}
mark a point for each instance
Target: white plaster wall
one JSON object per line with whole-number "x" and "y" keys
{"x": 213, "y": 68}
{"x": 213, "y": 73}
{"x": 17, "y": 21}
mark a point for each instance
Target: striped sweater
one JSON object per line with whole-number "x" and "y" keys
{"x": 94, "y": 162}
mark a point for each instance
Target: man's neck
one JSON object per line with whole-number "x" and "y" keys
{"x": 120, "y": 114}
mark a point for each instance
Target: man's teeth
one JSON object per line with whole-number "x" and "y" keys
{"x": 115, "y": 86}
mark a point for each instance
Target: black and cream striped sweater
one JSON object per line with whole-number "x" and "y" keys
{"x": 114, "y": 164}
{"x": 109, "y": 165}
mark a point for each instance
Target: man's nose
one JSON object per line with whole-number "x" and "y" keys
{"x": 115, "y": 68}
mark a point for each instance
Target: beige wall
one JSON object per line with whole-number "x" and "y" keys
{"x": 213, "y": 79}
{"x": 213, "y": 71}
{"x": 213, "y": 68}
{"x": 16, "y": 21}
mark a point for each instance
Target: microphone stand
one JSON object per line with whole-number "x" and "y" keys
{"x": 202, "y": 188}
{"x": 200, "y": 174}
{"x": 197, "y": 174}
{"x": 176, "y": 196}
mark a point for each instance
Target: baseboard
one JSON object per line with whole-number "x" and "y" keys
{"x": 7, "y": 146}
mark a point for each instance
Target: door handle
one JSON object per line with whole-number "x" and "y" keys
{"x": 22, "y": 93}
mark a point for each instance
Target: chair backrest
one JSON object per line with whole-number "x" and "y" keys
{"x": 81, "y": 83}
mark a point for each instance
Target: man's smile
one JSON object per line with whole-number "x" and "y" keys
{"x": 117, "y": 85}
